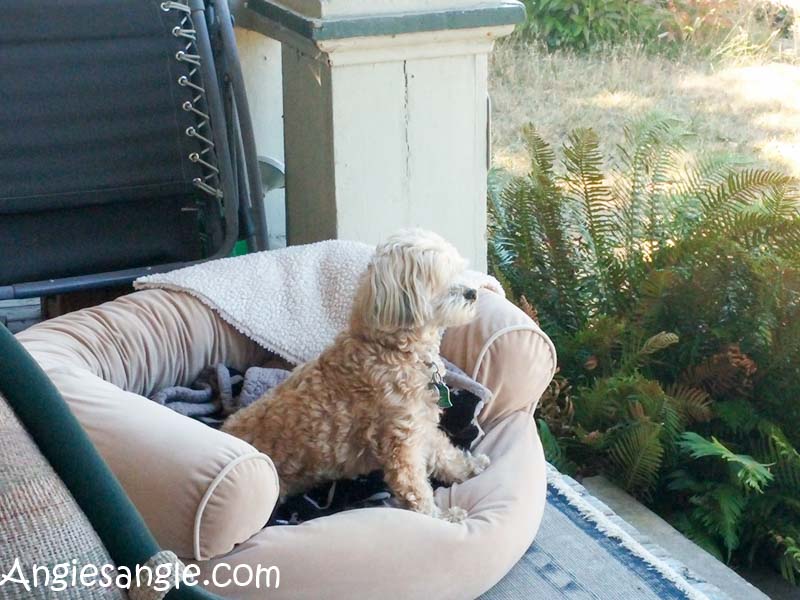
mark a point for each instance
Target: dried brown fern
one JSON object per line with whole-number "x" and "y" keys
{"x": 728, "y": 371}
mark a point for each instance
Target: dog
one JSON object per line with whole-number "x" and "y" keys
{"x": 370, "y": 400}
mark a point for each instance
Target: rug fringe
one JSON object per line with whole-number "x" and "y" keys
{"x": 607, "y": 527}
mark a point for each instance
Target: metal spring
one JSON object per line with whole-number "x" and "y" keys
{"x": 168, "y": 6}
{"x": 189, "y": 34}
{"x": 209, "y": 182}
{"x": 192, "y": 132}
{"x": 182, "y": 56}
{"x": 195, "y": 158}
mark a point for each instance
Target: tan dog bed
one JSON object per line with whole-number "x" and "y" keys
{"x": 206, "y": 495}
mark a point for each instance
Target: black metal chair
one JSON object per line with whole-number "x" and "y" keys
{"x": 126, "y": 145}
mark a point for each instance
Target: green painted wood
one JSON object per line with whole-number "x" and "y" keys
{"x": 506, "y": 13}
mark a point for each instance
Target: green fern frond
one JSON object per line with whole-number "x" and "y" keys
{"x": 586, "y": 183}
{"x": 530, "y": 241}
{"x": 496, "y": 182}
{"x": 694, "y": 404}
{"x": 789, "y": 562}
{"x": 658, "y": 342}
{"x": 680, "y": 480}
{"x": 650, "y": 403}
{"x": 777, "y": 449}
{"x": 719, "y": 509}
{"x": 541, "y": 155}
{"x": 651, "y": 132}
{"x": 553, "y": 451}
{"x": 636, "y": 454}
{"x": 592, "y": 202}
{"x": 650, "y": 154}
{"x": 750, "y": 473}
{"x": 597, "y": 405}
{"x": 672, "y": 423}
{"x": 730, "y": 503}
{"x": 652, "y": 290}
{"x": 643, "y": 355}
{"x": 651, "y": 158}
{"x": 740, "y": 189}
{"x": 706, "y": 173}
{"x": 783, "y": 201}
{"x": 754, "y": 230}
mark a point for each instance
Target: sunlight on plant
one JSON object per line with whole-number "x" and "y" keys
{"x": 670, "y": 285}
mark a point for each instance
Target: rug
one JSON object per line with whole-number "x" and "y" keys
{"x": 584, "y": 551}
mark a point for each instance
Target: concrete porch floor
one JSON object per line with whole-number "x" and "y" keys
{"x": 686, "y": 551}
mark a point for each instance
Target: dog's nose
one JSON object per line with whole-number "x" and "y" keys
{"x": 470, "y": 294}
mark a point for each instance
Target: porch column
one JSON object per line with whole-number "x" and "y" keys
{"x": 386, "y": 115}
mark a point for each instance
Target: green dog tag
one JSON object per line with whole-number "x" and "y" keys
{"x": 444, "y": 395}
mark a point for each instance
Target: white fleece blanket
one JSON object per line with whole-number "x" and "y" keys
{"x": 292, "y": 301}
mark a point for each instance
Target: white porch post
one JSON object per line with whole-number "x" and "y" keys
{"x": 385, "y": 115}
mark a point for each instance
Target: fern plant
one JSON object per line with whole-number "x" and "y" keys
{"x": 671, "y": 288}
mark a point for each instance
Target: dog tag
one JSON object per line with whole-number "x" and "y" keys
{"x": 444, "y": 395}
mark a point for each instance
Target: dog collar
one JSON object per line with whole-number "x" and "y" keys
{"x": 438, "y": 384}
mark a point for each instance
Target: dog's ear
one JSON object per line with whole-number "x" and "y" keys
{"x": 392, "y": 293}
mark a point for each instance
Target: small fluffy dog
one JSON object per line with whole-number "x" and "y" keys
{"x": 370, "y": 400}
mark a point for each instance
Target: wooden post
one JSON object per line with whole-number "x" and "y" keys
{"x": 385, "y": 115}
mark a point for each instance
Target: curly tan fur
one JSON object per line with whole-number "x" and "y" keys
{"x": 366, "y": 402}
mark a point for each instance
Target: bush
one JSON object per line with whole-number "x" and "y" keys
{"x": 582, "y": 24}
{"x": 672, "y": 292}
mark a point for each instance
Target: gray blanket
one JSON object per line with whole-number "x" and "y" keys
{"x": 219, "y": 391}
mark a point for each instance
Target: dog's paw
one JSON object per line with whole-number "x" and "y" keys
{"x": 426, "y": 506}
{"x": 479, "y": 463}
{"x": 433, "y": 511}
{"x": 454, "y": 514}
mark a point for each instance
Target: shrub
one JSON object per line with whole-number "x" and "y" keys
{"x": 582, "y": 24}
{"x": 672, "y": 292}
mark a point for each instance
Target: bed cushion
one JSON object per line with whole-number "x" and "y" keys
{"x": 393, "y": 553}
{"x": 206, "y": 495}
{"x": 507, "y": 352}
{"x": 199, "y": 490}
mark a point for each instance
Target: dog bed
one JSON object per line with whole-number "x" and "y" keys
{"x": 207, "y": 496}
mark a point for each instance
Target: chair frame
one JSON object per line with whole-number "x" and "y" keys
{"x": 234, "y": 145}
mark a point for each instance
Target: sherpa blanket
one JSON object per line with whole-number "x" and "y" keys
{"x": 292, "y": 301}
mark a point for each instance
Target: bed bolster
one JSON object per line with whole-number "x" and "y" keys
{"x": 200, "y": 491}
{"x": 507, "y": 352}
